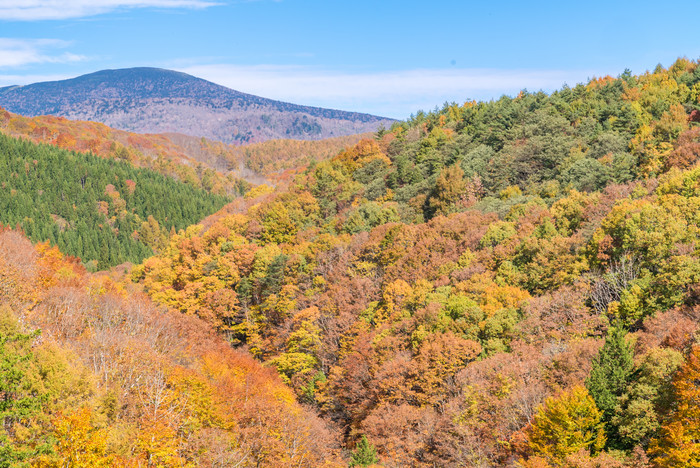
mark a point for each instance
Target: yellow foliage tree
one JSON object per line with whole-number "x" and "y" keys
{"x": 566, "y": 424}
{"x": 79, "y": 443}
{"x": 677, "y": 445}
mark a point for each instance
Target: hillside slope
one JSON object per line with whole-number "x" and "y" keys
{"x": 216, "y": 167}
{"x": 152, "y": 100}
{"x": 104, "y": 211}
{"x": 202, "y": 163}
{"x": 95, "y": 375}
{"x": 499, "y": 283}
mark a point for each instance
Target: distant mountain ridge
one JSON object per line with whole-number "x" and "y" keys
{"x": 154, "y": 100}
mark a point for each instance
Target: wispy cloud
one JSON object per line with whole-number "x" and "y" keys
{"x": 10, "y": 79}
{"x": 34, "y": 10}
{"x": 394, "y": 93}
{"x": 20, "y": 52}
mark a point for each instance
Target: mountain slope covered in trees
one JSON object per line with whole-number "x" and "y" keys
{"x": 95, "y": 375}
{"x": 199, "y": 162}
{"x": 493, "y": 283}
{"x": 153, "y": 100}
{"x": 104, "y": 211}
{"x": 216, "y": 167}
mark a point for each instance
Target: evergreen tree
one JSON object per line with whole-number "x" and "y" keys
{"x": 610, "y": 376}
{"x": 17, "y": 403}
{"x": 274, "y": 278}
{"x": 365, "y": 454}
{"x": 244, "y": 289}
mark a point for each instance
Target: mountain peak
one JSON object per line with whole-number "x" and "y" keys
{"x": 156, "y": 100}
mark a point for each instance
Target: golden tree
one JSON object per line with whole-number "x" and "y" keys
{"x": 677, "y": 444}
{"x": 565, "y": 425}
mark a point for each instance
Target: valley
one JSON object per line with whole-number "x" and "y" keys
{"x": 511, "y": 282}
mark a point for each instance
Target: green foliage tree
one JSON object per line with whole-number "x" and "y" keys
{"x": 647, "y": 398}
{"x": 272, "y": 282}
{"x": 610, "y": 375}
{"x": 19, "y": 403}
{"x": 365, "y": 454}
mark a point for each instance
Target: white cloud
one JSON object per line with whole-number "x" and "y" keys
{"x": 33, "y": 10}
{"x": 393, "y": 93}
{"x": 10, "y": 80}
{"x": 19, "y": 52}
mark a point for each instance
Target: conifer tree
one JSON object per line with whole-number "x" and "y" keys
{"x": 610, "y": 375}
{"x": 365, "y": 454}
{"x": 17, "y": 404}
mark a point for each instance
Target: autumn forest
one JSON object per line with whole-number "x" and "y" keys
{"x": 507, "y": 283}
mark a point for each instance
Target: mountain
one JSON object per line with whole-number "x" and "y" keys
{"x": 154, "y": 100}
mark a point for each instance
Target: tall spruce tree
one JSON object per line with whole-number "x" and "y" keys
{"x": 365, "y": 454}
{"x": 610, "y": 376}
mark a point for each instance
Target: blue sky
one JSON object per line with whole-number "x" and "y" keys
{"x": 389, "y": 57}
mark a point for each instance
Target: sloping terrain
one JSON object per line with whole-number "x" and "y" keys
{"x": 96, "y": 375}
{"x": 152, "y": 100}
{"x": 104, "y": 211}
{"x": 216, "y": 167}
{"x": 203, "y": 163}
{"x": 506, "y": 283}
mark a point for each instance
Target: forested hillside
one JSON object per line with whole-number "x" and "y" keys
{"x": 211, "y": 165}
{"x": 104, "y": 211}
{"x": 199, "y": 162}
{"x": 490, "y": 284}
{"x": 95, "y": 375}
{"x": 273, "y": 156}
